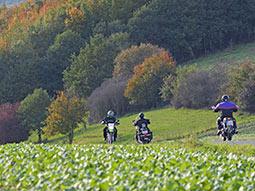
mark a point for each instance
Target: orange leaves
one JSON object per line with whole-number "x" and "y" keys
{"x": 4, "y": 45}
{"x": 75, "y": 16}
{"x": 143, "y": 87}
{"x": 49, "y": 5}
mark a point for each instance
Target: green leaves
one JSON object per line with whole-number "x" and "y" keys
{"x": 97, "y": 167}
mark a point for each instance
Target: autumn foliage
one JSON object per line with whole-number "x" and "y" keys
{"x": 66, "y": 111}
{"x": 143, "y": 87}
{"x": 10, "y": 130}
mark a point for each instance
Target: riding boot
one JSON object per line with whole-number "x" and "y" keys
{"x": 105, "y": 133}
{"x": 115, "y": 134}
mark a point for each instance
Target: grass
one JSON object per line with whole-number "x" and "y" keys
{"x": 228, "y": 57}
{"x": 166, "y": 124}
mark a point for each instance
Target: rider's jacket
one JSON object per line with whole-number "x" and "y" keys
{"x": 109, "y": 120}
{"x": 226, "y": 108}
{"x": 139, "y": 122}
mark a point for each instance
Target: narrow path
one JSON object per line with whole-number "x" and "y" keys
{"x": 243, "y": 129}
{"x": 235, "y": 142}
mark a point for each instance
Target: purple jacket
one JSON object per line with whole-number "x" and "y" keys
{"x": 226, "y": 108}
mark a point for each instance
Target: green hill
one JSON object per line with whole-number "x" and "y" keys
{"x": 228, "y": 57}
{"x": 168, "y": 123}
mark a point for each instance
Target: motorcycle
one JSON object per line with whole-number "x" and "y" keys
{"x": 143, "y": 134}
{"x": 111, "y": 132}
{"x": 228, "y": 129}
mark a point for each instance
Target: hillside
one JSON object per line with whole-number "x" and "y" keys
{"x": 229, "y": 57}
{"x": 169, "y": 124}
{"x": 166, "y": 124}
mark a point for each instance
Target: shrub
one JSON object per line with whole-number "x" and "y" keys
{"x": 239, "y": 79}
{"x": 247, "y": 97}
{"x": 109, "y": 96}
{"x": 199, "y": 89}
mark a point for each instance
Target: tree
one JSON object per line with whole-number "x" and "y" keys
{"x": 108, "y": 29}
{"x": 172, "y": 83}
{"x": 66, "y": 111}
{"x": 144, "y": 87}
{"x": 189, "y": 29}
{"x": 58, "y": 58}
{"x": 32, "y": 111}
{"x": 125, "y": 61}
{"x": 10, "y": 130}
{"x": 238, "y": 78}
{"x": 247, "y": 97}
{"x": 94, "y": 64}
{"x": 200, "y": 88}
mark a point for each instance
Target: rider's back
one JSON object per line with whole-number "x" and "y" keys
{"x": 109, "y": 120}
{"x": 226, "y": 108}
{"x": 141, "y": 121}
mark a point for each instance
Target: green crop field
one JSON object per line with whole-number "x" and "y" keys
{"x": 130, "y": 167}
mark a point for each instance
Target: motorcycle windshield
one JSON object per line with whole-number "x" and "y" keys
{"x": 111, "y": 126}
{"x": 230, "y": 123}
{"x": 145, "y": 131}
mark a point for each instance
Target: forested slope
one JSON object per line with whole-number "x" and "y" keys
{"x": 105, "y": 51}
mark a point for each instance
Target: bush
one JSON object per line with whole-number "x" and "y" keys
{"x": 247, "y": 97}
{"x": 10, "y": 130}
{"x": 200, "y": 89}
{"x": 109, "y": 96}
{"x": 171, "y": 83}
{"x": 239, "y": 80}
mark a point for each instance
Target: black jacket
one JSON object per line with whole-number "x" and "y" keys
{"x": 139, "y": 122}
{"x": 109, "y": 120}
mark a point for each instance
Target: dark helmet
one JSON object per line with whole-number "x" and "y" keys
{"x": 110, "y": 113}
{"x": 141, "y": 115}
{"x": 225, "y": 98}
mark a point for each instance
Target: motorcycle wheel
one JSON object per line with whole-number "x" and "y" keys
{"x": 110, "y": 138}
{"x": 135, "y": 138}
{"x": 224, "y": 138}
{"x": 230, "y": 137}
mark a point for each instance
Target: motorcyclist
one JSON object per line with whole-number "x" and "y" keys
{"x": 138, "y": 123}
{"x": 109, "y": 119}
{"x": 226, "y": 108}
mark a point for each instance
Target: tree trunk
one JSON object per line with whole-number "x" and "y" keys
{"x": 70, "y": 137}
{"x": 84, "y": 125}
{"x": 39, "y": 135}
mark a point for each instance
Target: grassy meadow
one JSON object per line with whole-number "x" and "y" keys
{"x": 166, "y": 124}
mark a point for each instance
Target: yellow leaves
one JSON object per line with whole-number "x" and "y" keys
{"x": 75, "y": 16}
{"x": 4, "y": 45}
{"x": 148, "y": 77}
{"x": 65, "y": 112}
